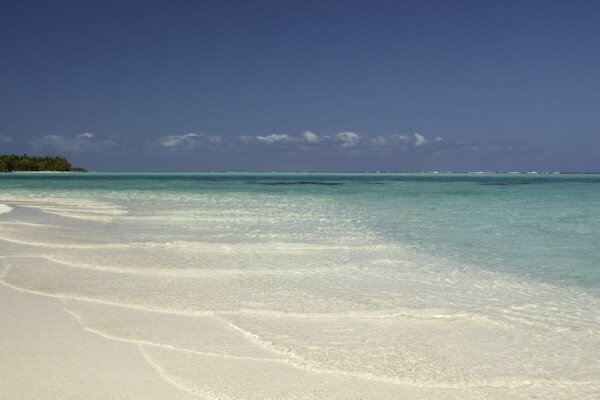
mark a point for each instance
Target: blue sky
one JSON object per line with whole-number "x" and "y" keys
{"x": 311, "y": 85}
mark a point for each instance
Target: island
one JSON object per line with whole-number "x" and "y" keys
{"x": 23, "y": 163}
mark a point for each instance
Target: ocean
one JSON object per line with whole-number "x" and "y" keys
{"x": 324, "y": 285}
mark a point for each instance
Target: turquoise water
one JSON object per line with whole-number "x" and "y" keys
{"x": 543, "y": 227}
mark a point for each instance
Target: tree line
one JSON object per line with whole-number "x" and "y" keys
{"x": 12, "y": 162}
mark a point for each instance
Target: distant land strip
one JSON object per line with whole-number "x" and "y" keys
{"x": 26, "y": 163}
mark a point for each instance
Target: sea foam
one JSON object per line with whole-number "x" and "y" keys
{"x": 5, "y": 208}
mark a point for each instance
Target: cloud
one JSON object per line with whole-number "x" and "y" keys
{"x": 215, "y": 140}
{"x": 307, "y": 142}
{"x": 347, "y": 144}
{"x": 189, "y": 139}
{"x": 348, "y": 139}
{"x": 270, "y": 139}
{"x": 84, "y": 142}
{"x": 307, "y": 137}
{"x": 311, "y": 137}
{"x": 394, "y": 140}
{"x": 419, "y": 139}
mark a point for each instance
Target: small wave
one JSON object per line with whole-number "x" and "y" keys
{"x": 20, "y": 223}
{"x": 195, "y": 272}
{"x": 417, "y": 313}
{"x": 82, "y": 215}
{"x": 64, "y": 245}
{"x": 72, "y": 208}
{"x": 4, "y": 209}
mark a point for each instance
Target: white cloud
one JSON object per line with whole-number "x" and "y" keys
{"x": 348, "y": 139}
{"x": 419, "y": 139}
{"x": 378, "y": 141}
{"x": 84, "y": 142}
{"x": 270, "y": 139}
{"x": 214, "y": 139}
{"x": 310, "y": 137}
{"x": 188, "y": 141}
{"x": 389, "y": 140}
{"x": 179, "y": 140}
{"x": 306, "y": 141}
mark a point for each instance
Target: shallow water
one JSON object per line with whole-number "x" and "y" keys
{"x": 452, "y": 285}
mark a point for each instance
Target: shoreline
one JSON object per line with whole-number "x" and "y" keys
{"x": 251, "y": 320}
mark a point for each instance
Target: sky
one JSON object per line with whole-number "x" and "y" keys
{"x": 303, "y": 85}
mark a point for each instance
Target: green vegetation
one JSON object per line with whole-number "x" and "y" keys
{"x": 12, "y": 162}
